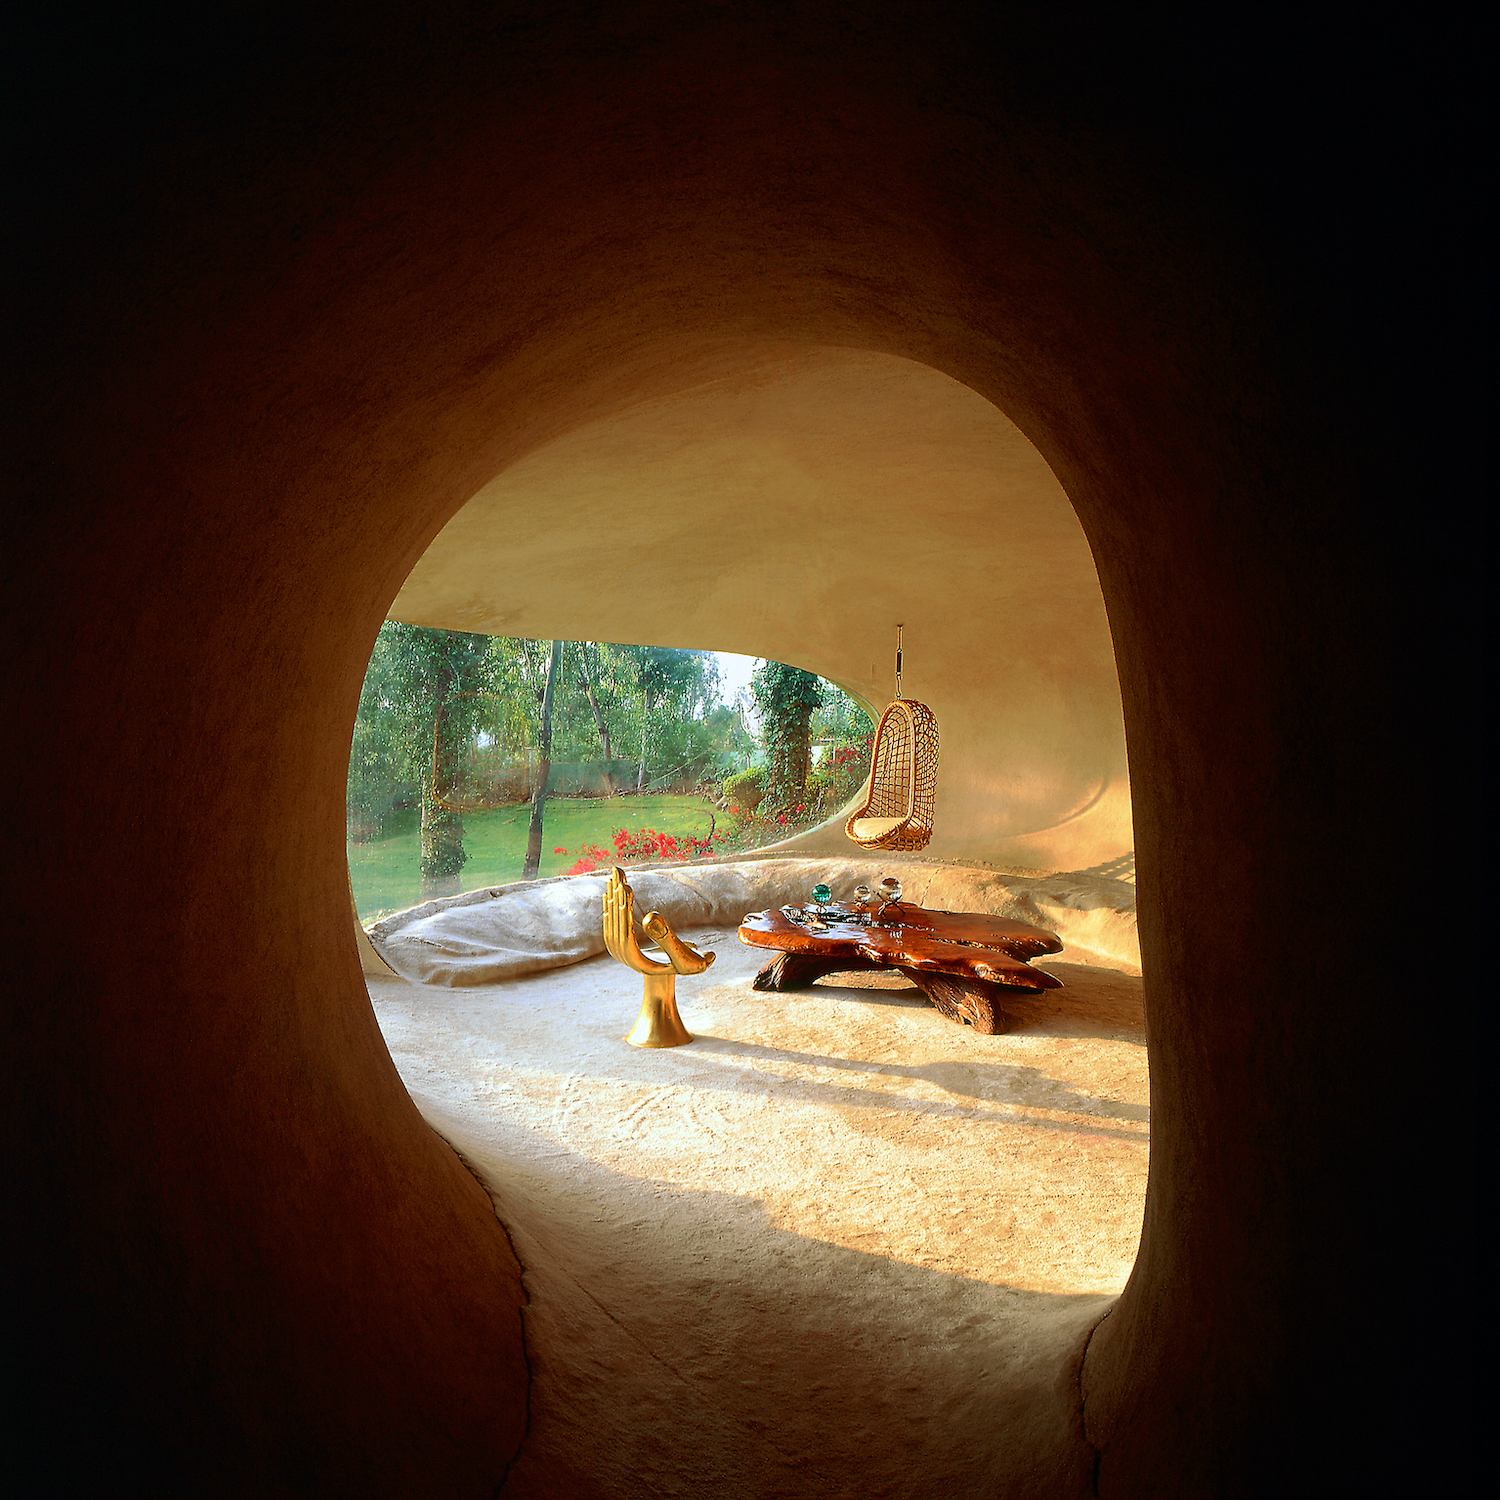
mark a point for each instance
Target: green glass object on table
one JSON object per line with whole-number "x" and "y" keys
{"x": 822, "y": 895}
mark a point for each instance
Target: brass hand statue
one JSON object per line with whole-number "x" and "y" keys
{"x": 659, "y": 1024}
{"x": 685, "y": 958}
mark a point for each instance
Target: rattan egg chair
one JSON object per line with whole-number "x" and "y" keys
{"x": 896, "y": 812}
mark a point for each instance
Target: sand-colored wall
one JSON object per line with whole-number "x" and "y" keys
{"x": 800, "y": 509}
{"x": 288, "y": 301}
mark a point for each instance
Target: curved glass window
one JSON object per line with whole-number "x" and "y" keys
{"x": 478, "y": 760}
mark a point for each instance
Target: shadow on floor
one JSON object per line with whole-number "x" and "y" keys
{"x": 1015, "y": 1085}
{"x": 1093, "y": 1002}
{"x": 682, "y": 1344}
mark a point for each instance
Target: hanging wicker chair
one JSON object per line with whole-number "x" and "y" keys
{"x": 899, "y": 796}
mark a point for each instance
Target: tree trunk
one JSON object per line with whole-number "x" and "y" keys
{"x": 539, "y": 796}
{"x": 442, "y": 843}
{"x": 786, "y": 697}
{"x": 588, "y": 692}
{"x": 640, "y": 775}
{"x": 791, "y": 759}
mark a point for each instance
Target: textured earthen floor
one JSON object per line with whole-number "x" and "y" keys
{"x": 836, "y": 1224}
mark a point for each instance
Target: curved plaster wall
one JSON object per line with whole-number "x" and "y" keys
{"x": 289, "y": 301}
{"x": 798, "y": 510}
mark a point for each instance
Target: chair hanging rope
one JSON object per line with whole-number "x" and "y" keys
{"x": 897, "y": 807}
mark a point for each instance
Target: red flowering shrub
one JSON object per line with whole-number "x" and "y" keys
{"x": 590, "y": 857}
{"x": 754, "y": 830}
{"x": 645, "y": 844}
{"x": 739, "y": 831}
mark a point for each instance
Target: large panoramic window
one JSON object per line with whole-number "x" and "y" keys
{"x": 479, "y": 760}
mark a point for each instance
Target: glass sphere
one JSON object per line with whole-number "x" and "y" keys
{"x": 862, "y": 893}
{"x": 890, "y": 889}
{"x": 821, "y": 894}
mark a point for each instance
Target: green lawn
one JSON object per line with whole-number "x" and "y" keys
{"x": 384, "y": 872}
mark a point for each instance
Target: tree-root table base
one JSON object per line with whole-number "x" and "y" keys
{"x": 975, "y": 1002}
{"x": 964, "y": 962}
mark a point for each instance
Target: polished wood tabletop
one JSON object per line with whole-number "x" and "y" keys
{"x": 962, "y": 961}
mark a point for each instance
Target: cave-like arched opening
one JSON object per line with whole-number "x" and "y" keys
{"x": 812, "y": 1156}
{"x": 275, "y": 349}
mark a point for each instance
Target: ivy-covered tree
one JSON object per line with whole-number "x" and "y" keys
{"x": 785, "y": 698}
{"x": 415, "y": 723}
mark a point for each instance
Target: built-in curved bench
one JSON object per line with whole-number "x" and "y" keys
{"x": 504, "y": 932}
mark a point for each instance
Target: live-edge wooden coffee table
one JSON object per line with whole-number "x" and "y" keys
{"x": 964, "y": 962}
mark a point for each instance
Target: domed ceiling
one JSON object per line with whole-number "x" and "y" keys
{"x": 800, "y": 511}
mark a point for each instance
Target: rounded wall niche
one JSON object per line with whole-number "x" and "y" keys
{"x": 800, "y": 510}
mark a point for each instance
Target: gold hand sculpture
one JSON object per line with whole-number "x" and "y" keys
{"x": 685, "y": 958}
{"x": 659, "y": 1024}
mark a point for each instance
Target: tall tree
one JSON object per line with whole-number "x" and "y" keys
{"x": 426, "y": 676}
{"x": 588, "y": 684}
{"x": 539, "y": 796}
{"x": 786, "y": 697}
{"x": 381, "y": 773}
{"x": 671, "y": 686}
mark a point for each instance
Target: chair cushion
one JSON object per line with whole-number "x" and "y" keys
{"x": 875, "y": 828}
